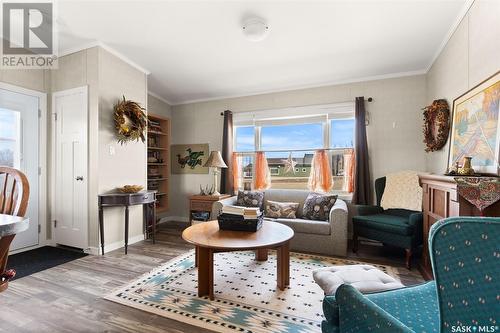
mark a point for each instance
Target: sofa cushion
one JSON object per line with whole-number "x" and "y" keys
{"x": 281, "y": 209}
{"x": 304, "y": 226}
{"x": 250, "y": 199}
{"x": 287, "y": 195}
{"x": 317, "y": 206}
{"x": 384, "y": 222}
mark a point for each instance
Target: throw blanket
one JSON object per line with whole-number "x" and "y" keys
{"x": 403, "y": 191}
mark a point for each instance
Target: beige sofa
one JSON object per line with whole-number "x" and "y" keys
{"x": 324, "y": 237}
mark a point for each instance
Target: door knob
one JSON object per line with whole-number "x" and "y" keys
{"x": 79, "y": 178}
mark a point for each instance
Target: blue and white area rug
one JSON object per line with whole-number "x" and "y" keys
{"x": 246, "y": 296}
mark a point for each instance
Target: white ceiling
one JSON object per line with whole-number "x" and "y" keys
{"x": 196, "y": 50}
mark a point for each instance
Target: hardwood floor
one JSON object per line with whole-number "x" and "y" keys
{"x": 68, "y": 298}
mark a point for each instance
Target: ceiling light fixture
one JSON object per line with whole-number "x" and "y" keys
{"x": 255, "y": 29}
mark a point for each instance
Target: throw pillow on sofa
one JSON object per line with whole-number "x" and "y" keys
{"x": 317, "y": 206}
{"x": 250, "y": 199}
{"x": 281, "y": 209}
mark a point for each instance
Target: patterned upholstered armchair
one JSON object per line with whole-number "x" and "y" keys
{"x": 396, "y": 227}
{"x": 465, "y": 256}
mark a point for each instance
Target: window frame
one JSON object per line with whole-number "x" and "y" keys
{"x": 323, "y": 114}
{"x": 326, "y": 137}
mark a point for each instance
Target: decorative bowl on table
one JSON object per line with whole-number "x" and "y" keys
{"x": 130, "y": 188}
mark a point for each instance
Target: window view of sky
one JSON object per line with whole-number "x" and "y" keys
{"x": 294, "y": 137}
{"x": 245, "y": 139}
{"x": 342, "y": 133}
{"x": 302, "y": 136}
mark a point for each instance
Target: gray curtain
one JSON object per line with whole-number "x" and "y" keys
{"x": 226, "y": 179}
{"x": 362, "y": 182}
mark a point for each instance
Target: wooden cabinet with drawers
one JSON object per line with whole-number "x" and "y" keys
{"x": 441, "y": 200}
{"x": 203, "y": 203}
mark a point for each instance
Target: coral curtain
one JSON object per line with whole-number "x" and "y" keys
{"x": 320, "y": 178}
{"x": 237, "y": 165}
{"x": 349, "y": 161}
{"x": 226, "y": 179}
{"x": 362, "y": 183}
{"x": 262, "y": 177}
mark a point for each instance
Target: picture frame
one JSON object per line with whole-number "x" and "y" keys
{"x": 475, "y": 129}
{"x": 189, "y": 158}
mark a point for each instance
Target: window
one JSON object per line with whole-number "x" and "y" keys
{"x": 10, "y": 131}
{"x": 247, "y": 172}
{"x": 289, "y": 144}
{"x": 245, "y": 139}
{"x": 292, "y": 137}
{"x": 342, "y": 133}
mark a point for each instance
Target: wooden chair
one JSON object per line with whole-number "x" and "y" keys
{"x": 14, "y": 195}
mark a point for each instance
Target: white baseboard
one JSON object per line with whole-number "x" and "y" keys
{"x": 114, "y": 246}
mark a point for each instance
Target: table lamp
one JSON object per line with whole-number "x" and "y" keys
{"x": 215, "y": 161}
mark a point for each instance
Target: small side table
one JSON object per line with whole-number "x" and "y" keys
{"x": 145, "y": 198}
{"x": 203, "y": 203}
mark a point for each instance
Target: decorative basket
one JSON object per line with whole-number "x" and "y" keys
{"x": 238, "y": 223}
{"x": 130, "y": 188}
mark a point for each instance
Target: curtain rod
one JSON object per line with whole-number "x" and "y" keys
{"x": 290, "y": 150}
{"x": 369, "y": 99}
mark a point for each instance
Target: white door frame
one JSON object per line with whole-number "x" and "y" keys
{"x": 42, "y": 161}
{"x": 54, "y": 161}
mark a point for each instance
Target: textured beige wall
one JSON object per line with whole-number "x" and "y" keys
{"x": 397, "y": 101}
{"x": 470, "y": 56}
{"x": 158, "y": 107}
{"x": 128, "y": 164}
{"x": 35, "y": 79}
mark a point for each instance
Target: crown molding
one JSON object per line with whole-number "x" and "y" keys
{"x": 107, "y": 48}
{"x": 310, "y": 86}
{"x": 155, "y": 95}
{"x": 463, "y": 12}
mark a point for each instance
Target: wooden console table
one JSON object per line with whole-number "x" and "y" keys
{"x": 9, "y": 226}
{"x": 441, "y": 200}
{"x": 203, "y": 203}
{"x": 146, "y": 198}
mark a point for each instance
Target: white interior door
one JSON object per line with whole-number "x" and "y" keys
{"x": 71, "y": 151}
{"x": 19, "y": 145}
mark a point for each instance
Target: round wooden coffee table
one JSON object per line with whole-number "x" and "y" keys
{"x": 208, "y": 240}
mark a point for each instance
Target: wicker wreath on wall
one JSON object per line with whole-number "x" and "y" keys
{"x": 130, "y": 121}
{"x": 436, "y": 125}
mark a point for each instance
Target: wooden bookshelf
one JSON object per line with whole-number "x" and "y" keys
{"x": 158, "y": 159}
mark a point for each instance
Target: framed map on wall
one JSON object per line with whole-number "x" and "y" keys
{"x": 189, "y": 158}
{"x": 476, "y": 130}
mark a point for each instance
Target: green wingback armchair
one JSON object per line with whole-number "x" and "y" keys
{"x": 465, "y": 257}
{"x": 397, "y": 227}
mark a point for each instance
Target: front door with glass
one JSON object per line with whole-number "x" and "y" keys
{"x": 19, "y": 148}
